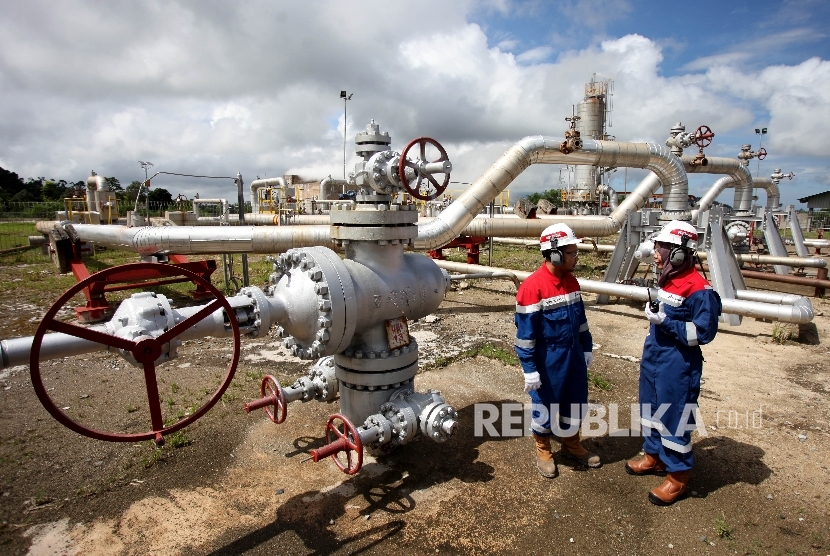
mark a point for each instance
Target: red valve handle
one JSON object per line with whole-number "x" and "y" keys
{"x": 790, "y": 175}
{"x": 703, "y": 136}
{"x": 415, "y": 190}
{"x": 346, "y": 441}
{"x": 762, "y": 153}
{"x": 145, "y": 350}
{"x": 275, "y": 397}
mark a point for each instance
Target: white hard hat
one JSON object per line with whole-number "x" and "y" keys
{"x": 557, "y": 235}
{"x": 674, "y": 231}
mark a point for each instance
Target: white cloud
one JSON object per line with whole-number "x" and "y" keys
{"x": 253, "y": 87}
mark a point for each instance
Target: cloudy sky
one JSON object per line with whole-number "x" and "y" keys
{"x": 211, "y": 87}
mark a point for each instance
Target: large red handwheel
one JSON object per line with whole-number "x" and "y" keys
{"x": 272, "y": 395}
{"x": 703, "y": 136}
{"x": 346, "y": 440}
{"x": 145, "y": 350}
{"x": 433, "y": 189}
{"x": 762, "y": 153}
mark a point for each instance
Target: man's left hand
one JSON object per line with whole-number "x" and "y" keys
{"x": 589, "y": 358}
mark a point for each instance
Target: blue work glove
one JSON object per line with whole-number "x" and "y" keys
{"x": 532, "y": 382}
{"x": 655, "y": 318}
{"x": 589, "y": 358}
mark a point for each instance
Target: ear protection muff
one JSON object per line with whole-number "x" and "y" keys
{"x": 677, "y": 256}
{"x": 556, "y": 256}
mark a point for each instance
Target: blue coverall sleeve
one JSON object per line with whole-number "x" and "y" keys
{"x": 585, "y": 338}
{"x": 705, "y": 308}
{"x": 528, "y": 326}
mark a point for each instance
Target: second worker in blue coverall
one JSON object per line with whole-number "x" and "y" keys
{"x": 672, "y": 363}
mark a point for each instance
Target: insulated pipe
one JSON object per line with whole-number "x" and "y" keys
{"x": 613, "y": 202}
{"x": 820, "y": 243}
{"x": 94, "y": 185}
{"x": 545, "y": 150}
{"x": 590, "y": 226}
{"x": 187, "y": 240}
{"x": 773, "y": 194}
{"x": 256, "y": 185}
{"x": 799, "y": 312}
{"x": 222, "y": 202}
{"x": 731, "y": 167}
{"x": 324, "y": 185}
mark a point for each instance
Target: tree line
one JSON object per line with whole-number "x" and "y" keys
{"x": 14, "y": 189}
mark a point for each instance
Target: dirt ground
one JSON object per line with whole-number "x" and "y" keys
{"x": 239, "y": 484}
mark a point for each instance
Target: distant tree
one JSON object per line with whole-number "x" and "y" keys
{"x": 115, "y": 186}
{"x": 130, "y": 193}
{"x": 552, "y": 195}
{"x": 10, "y": 184}
{"x": 55, "y": 190}
{"x": 160, "y": 196}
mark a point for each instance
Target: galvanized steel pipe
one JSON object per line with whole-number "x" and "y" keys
{"x": 454, "y": 220}
{"x": 794, "y": 309}
{"x": 256, "y": 185}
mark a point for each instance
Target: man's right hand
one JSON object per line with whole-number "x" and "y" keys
{"x": 532, "y": 382}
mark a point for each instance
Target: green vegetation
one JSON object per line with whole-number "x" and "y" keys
{"x": 783, "y": 332}
{"x": 599, "y": 382}
{"x": 722, "y": 528}
{"x": 552, "y": 195}
{"x": 487, "y": 350}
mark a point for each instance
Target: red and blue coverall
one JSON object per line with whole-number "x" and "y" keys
{"x": 551, "y": 338}
{"x": 671, "y": 367}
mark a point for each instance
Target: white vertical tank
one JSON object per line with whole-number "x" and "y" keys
{"x": 591, "y": 125}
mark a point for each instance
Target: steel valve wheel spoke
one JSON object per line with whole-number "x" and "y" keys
{"x": 145, "y": 350}
{"x": 415, "y": 189}
{"x": 190, "y": 321}
{"x": 89, "y": 334}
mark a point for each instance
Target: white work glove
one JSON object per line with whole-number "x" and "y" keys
{"x": 655, "y": 318}
{"x": 532, "y": 382}
{"x": 589, "y": 358}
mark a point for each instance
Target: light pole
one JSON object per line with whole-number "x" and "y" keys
{"x": 760, "y": 132}
{"x": 345, "y": 98}
{"x": 146, "y": 166}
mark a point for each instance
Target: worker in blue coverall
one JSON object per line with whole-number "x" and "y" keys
{"x": 685, "y": 319}
{"x": 555, "y": 349}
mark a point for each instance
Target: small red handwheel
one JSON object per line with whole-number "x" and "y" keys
{"x": 762, "y": 153}
{"x": 790, "y": 176}
{"x": 346, "y": 440}
{"x": 272, "y": 395}
{"x": 703, "y": 136}
{"x": 431, "y": 189}
{"x": 146, "y": 351}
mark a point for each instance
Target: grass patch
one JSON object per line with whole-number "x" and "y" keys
{"x": 722, "y": 528}
{"x": 487, "y": 350}
{"x": 599, "y": 382}
{"x": 178, "y": 439}
{"x": 783, "y": 333}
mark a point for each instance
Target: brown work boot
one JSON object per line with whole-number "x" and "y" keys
{"x": 572, "y": 449}
{"x": 672, "y": 489}
{"x": 648, "y": 465}
{"x": 544, "y": 457}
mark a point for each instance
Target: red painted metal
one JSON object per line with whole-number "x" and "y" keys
{"x": 346, "y": 440}
{"x": 274, "y": 397}
{"x": 145, "y": 350}
{"x": 97, "y": 308}
{"x": 415, "y": 190}
{"x": 471, "y": 243}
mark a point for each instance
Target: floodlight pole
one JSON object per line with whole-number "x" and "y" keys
{"x": 345, "y": 98}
